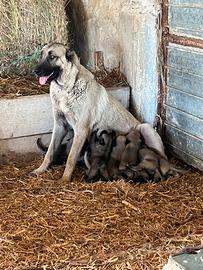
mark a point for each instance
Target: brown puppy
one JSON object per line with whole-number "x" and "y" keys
{"x": 149, "y": 161}
{"x": 155, "y": 164}
{"x": 97, "y": 155}
{"x": 115, "y": 156}
{"x": 129, "y": 156}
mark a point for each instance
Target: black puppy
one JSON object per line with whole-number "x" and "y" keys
{"x": 97, "y": 155}
{"x": 61, "y": 154}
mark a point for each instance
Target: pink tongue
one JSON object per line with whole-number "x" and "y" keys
{"x": 43, "y": 80}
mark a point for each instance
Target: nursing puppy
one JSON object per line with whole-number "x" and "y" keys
{"x": 130, "y": 153}
{"x": 115, "y": 156}
{"x": 79, "y": 101}
{"x": 155, "y": 164}
{"x": 61, "y": 154}
{"x": 97, "y": 155}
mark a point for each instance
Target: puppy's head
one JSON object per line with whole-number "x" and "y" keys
{"x": 133, "y": 136}
{"x": 54, "y": 57}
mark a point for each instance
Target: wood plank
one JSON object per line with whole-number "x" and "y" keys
{"x": 184, "y": 141}
{"x": 187, "y": 59}
{"x": 186, "y": 19}
{"x": 185, "y": 102}
{"x": 190, "y": 83}
{"x": 186, "y": 122}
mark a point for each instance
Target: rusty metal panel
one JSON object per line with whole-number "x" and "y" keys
{"x": 186, "y": 18}
{"x": 184, "y": 103}
{"x": 187, "y": 82}
{"x": 184, "y": 142}
{"x": 184, "y": 121}
{"x": 186, "y": 59}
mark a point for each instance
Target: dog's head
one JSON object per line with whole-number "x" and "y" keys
{"x": 54, "y": 57}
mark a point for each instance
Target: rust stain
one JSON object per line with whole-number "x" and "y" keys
{"x": 185, "y": 41}
{"x": 167, "y": 38}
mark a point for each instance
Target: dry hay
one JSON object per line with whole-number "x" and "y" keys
{"x": 25, "y": 26}
{"x": 45, "y": 222}
{"x": 12, "y": 87}
{"x": 21, "y": 86}
{"x": 113, "y": 78}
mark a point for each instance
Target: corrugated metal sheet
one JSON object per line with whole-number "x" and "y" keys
{"x": 186, "y": 18}
{"x": 184, "y": 103}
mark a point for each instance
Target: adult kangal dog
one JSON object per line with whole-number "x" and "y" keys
{"x": 82, "y": 103}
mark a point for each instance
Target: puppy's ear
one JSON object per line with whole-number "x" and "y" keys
{"x": 69, "y": 55}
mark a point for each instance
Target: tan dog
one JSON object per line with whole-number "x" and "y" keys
{"x": 79, "y": 101}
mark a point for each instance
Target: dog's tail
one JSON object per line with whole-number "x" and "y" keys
{"x": 41, "y": 146}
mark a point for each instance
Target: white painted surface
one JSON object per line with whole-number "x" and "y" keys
{"x": 126, "y": 32}
{"x": 25, "y": 116}
{"x": 139, "y": 45}
{"x": 25, "y": 119}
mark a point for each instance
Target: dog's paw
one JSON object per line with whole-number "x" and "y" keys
{"x": 35, "y": 172}
{"x": 66, "y": 178}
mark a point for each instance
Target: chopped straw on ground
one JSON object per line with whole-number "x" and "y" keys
{"x": 46, "y": 223}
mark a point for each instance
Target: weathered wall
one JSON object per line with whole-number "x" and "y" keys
{"x": 95, "y": 27}
{"x": 126, "y": 32}
{"x": 139, "y": 43}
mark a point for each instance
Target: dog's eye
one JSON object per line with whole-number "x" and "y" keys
{"x": 101, "y": 141}
{"x": 52, "y": 57}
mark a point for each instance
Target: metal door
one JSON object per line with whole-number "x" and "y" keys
{"x": 181, "y": 94}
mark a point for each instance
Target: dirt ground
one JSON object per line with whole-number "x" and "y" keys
{"x": 46, "y": 223}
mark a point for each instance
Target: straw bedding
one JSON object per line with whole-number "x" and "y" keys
{"x": 12, "y": 87}
{"x": 46, "y": 223}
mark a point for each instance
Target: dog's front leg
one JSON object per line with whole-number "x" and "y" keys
{"x": 78, "y": 142}
{"x": 58, "y": 135}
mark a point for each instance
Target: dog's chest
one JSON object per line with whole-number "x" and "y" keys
{"x": 70, "y": 102}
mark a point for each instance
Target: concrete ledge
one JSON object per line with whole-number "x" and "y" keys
{"x": 27, "y": 118}
{"x": 186, "y": 261}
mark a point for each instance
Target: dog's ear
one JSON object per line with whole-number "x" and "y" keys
{"x": 69, "y": 55}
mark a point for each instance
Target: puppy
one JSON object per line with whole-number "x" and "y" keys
{"x": 97, "y": 155}
{"x": 61, "y": 154}
{"x": 115, "y": 156}
{"x": 129, "y": 156}
{"x": 155, "y": 164}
